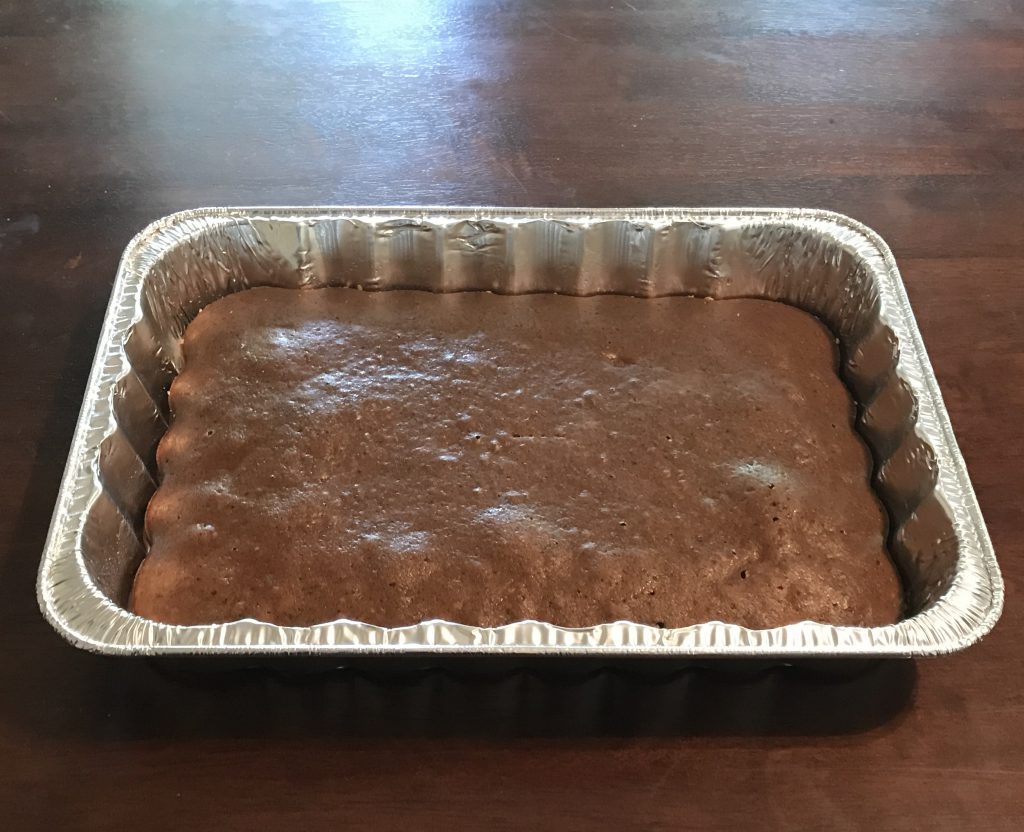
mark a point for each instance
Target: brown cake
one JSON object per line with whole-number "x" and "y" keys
{"x": 397, "y": 456}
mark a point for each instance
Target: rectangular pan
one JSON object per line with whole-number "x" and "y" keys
{"x": 819, "y": 261}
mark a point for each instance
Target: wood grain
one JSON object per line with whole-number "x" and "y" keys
{"x": 908, "y": 116}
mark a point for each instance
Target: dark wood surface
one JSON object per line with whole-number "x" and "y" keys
{"x": 908, "y": 116}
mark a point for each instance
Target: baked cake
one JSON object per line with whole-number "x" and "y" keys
{"x": 393, "y": 457}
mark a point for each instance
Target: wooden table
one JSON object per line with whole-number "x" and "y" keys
{"x": 908, "y": 116}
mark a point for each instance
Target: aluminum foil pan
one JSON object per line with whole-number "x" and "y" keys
{"x": 822, "y": 262}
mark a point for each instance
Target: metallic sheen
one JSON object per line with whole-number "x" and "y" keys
{"x": 823, "y": 262}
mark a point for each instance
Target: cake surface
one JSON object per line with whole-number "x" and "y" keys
{"x": 393, "y": 457}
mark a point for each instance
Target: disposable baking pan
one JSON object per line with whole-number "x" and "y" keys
{"x": 819, "y": 261}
